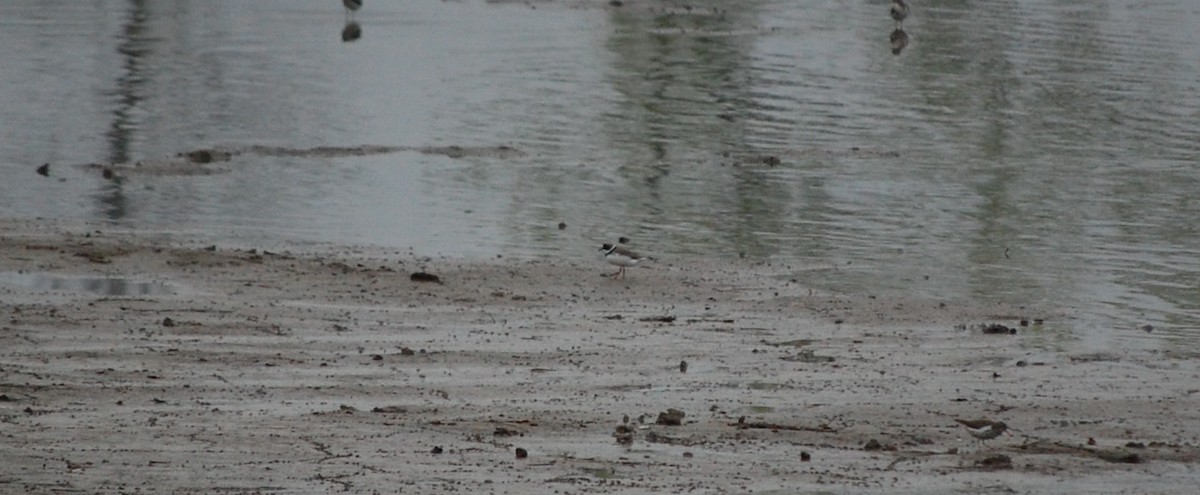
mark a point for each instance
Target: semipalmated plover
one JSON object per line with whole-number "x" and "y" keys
{"x": 621, "y": 257}
{"x": 899, "y": 11}
{"x": 983, "y": 429}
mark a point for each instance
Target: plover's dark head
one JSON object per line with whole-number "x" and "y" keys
{"x": 606, "y": 247}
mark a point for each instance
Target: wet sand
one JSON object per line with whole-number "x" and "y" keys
{"x": 158, "y": 362}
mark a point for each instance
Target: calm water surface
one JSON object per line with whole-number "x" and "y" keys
{"x": 1021, "y": 152}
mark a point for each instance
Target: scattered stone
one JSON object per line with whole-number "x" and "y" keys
{"x": 995, "y": 461}
{"x": 405, "y": 351}
{"x": 562, "y": 225}
{"x": 389, "y": 409}
{"x": 95, "y": 257}
{"x": 377, "y": 357}
{"x": 683, "y": 366}
{"x": 206, "y": 156}
{"x": 873, "y": 445}
{"x": 998, "y": 329}
{"x": 1135, "y": 445}
{"x": 522, "y": 453}
{"x": 807, "y": 356}
{"x": 44, "y": 170}
{"x": 437, "y": 450}
{"x": 1119, "y": 456}
{"x": 658, "y": 319}
{"x": 505, "y": 432}
{"x": 672, "y": 417}
{"x": 168, "y": 322}
{"x": 688, "y": 455}
{"x": 1095, "y": 357}
{"x": 424, "y": 277}
{"x": 623, "y": 434}
{"x": 1147, "y": 328}
{"x": 805, "y": 456}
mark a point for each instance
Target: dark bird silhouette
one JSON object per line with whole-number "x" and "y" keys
{"x": 899, "y": 11}
{"x": 351, "y": 32}
{"x": 353, "y": 6}
{"x": 899, "y": 40}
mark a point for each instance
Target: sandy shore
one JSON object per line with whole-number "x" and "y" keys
{"x": 155, "y": 363}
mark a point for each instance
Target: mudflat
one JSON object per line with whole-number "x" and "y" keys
{"x": 155, "y": 362}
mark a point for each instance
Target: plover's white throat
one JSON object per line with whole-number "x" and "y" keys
{"x": 621, "y": 257}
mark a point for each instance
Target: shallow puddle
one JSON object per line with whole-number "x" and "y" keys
{"x": 1033, "y": 154}
{"x": 105, "y": 286}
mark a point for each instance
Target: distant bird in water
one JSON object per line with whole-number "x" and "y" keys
{"x": 353, "y": 6}
{"x": 899, "y": 11}
{"x": 899, "y": 39}
{"x": 352, "y": 32}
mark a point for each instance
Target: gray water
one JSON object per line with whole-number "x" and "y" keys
{"x": 1040, "y": 153}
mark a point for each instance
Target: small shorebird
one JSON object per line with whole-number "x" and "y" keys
{"x": 899, "y": 11}
{"x": 354, "y": 5}
{"x": 621, "y": 257}
{"x": 352, "y": 32}
{"x": 983, "y": 429}
{"x": 899, "y": 40}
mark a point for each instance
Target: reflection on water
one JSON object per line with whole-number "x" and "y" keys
{"x": 1026, "y": 153}
{"x": 105, "y": 286}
